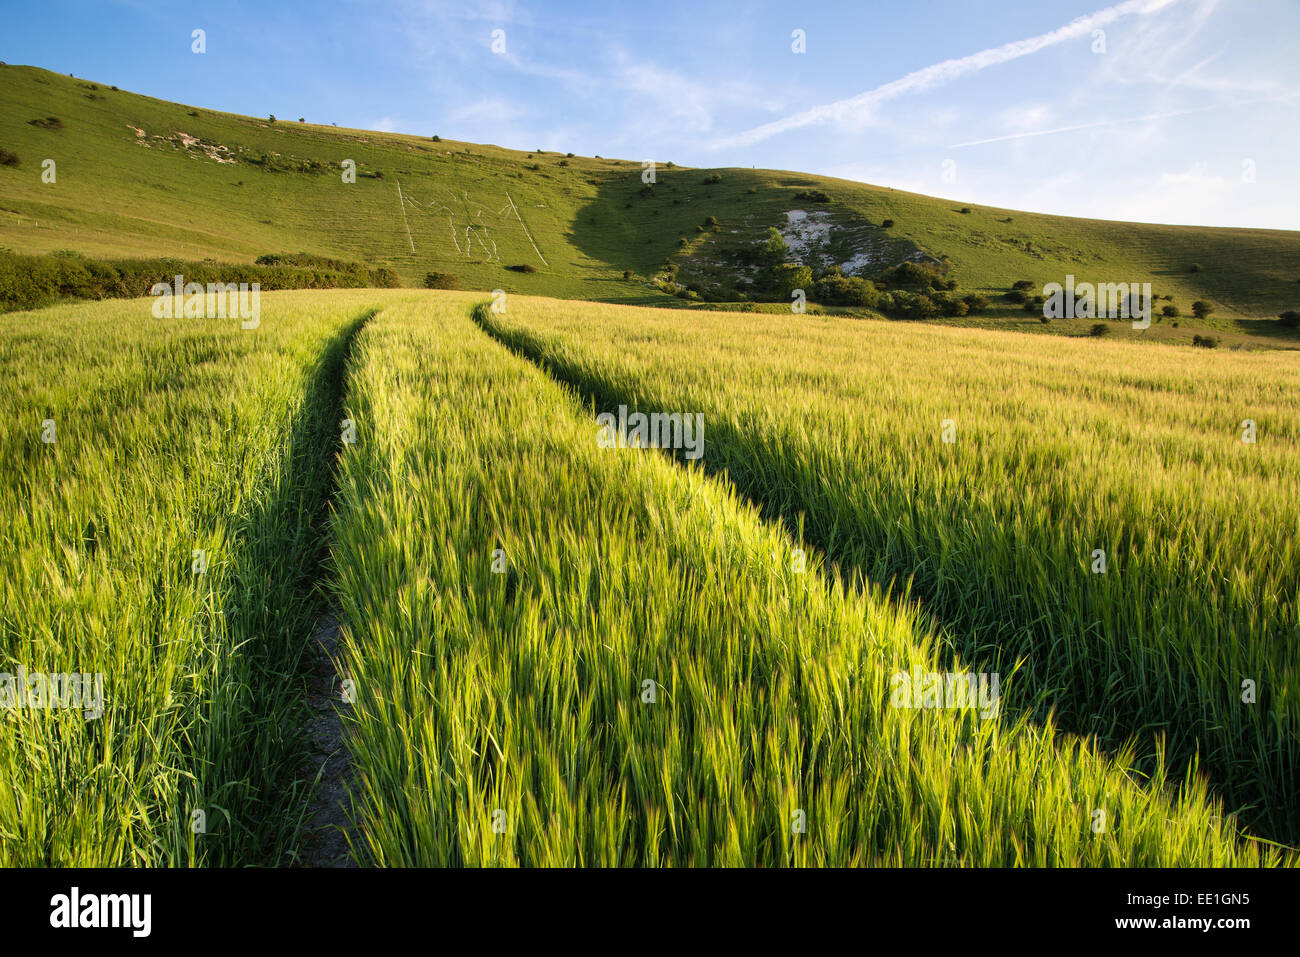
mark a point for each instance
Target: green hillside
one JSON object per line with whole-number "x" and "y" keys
{"x": 141, "y": 177}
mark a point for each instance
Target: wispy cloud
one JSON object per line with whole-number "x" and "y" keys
{"x": 1025, "y": 117}
{"x": 486, "y": 110}
{"x": 1147, "y": 118}
{"x": 1150, "y": 117}
{"x": 856, "y": 108}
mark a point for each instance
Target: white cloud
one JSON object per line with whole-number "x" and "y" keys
{"x": 485, "y": 110}
{"x": 666, "y": 98}
{"x": 1024, "y": 117}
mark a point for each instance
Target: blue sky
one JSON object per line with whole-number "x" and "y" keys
{"x": 1190, "y": 113}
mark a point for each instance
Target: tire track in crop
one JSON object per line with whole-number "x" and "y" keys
{"x": 329, "y": 834}
{"x": 325, "y": 837}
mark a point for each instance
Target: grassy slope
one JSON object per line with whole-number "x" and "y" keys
{"x": 115, "y": 196}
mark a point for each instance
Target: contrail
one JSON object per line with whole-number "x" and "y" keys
{"x": 1080, "y": 126}
{"x": 1129, "y": 119}
{"x": 941, "y": 73}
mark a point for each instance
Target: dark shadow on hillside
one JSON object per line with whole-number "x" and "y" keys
{"x": 635, "y": 226}
{"x": 638, "y": 227}
{"x": 1269, "y": 329}
{"x": 711, "y": 225}
{"x": 1079, "y": 697}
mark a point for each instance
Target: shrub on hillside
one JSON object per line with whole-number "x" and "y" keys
{"x": 903, "y": 304}
{"x": 774, "y": 249}
{"x": 384, "y": 277}
{"x": 975, "y": 303}
{"x": 1170, "y": 311}
{"x": 523, "y": 267}
{"x": 785, "y": 278}
{"x": 950, "y": 306}
{"x": 836, "y": 289}
{"x": 441, "y": 280}
{"x": 28, "y": 282}
{"x": 1099, "y": 329}
{"x": 711, "y": 178}
{"x": 914, "y": 275}
{"x": 47, "y": 122}
{"x": 1205, "y": 342}
{"x": 325, "y": 265}
{"x": 812, "y": 196}
{"x": 8, "y": 158}
{"x": 1290, "y": 319}
{"x": 1202, "y": 309}
{"x": 887, "y": 224}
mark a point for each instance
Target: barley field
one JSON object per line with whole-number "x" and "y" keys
{"x": 990, "y": 476}
{"x": 160, "y": 512}
{"x": 644, "y": 677}
{"x": 556, "y": 653}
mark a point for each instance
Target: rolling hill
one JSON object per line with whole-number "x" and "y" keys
{"x": 141, "y": 177}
